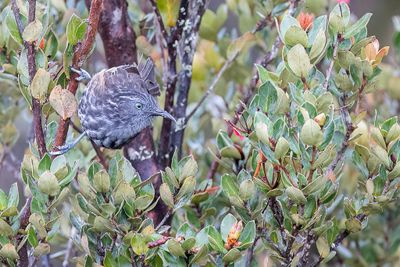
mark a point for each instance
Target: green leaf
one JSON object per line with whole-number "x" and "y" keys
{"x": 44, "y": 164}
{"x": 76, "y": 29}
{"x": 231, "y": 189}
{"x": 227, "y": 222}
{"x": 358, "y": 26}
{"x": 232, "y": 255}
{"x": 12, "y": 27}
{"x": 323, "y": 247}
{"x": 32, "y": 238}
{"x": 287, "y": 22}
{"x": 296, "y": 35}
{"x": 40, "y": 84}
{"x": 109, "y": 260}
{"x": 318, "y": 46}
{"x": 296, "y": 195}
{"x": 298, "y": 61}
{"x": 139, "y": 244}
{"x": 215, "y": 239}
{"x": 3, "y": 200}
{"x": 248, "y": 233}
{"x": 200, "y": 255}
{"x": 166, "y": 195}
{"x": 32, "y": 31}
{"x": 316, "y": 185}
{"x": 13, "y": 196}
{"x": 175, "y": 248}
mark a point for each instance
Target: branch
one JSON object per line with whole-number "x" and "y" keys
{"x": 163, "y": 31}
{"x": 305, "y": 250}
{"x": 186, "y": 49}
{"x": 344, "y": 111}
{"x": 165, "y": 149}
{"x": 330, "y": 68}
{"x": 158, "y": 242}
{"x": 81, "y": 52}
{"x": 99, "y": 154}
{"x": 339, "y": 239}
{"x": 214, "y": 82}
{"x": 250, "y": 252}
{"x": 36, "y": 106}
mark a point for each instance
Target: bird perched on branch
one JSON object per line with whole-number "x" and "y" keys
{"x": 117, "y": 105}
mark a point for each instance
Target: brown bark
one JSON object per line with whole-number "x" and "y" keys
{"x": 80, "y": 55}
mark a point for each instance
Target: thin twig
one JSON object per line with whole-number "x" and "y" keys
{"x": 339, "y": 239}
{"x": 81, "y": 52}
{"x": 159, "y": 20}
{"x": 69, "y": 247}
{"x": 166, "y": 217}
{"x": 344, "y": 111}
{"x": 250, "y": 252}
{"x": 96, "y": 148}
{"x": 214, "y": 82}
{"x": 158, "y": 242}
{"x": 330, "y": 68}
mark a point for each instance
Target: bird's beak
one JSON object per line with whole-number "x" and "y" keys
{"x": 163, "y": 113}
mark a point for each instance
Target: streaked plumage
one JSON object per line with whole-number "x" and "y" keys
{"x": 118, "y": 103}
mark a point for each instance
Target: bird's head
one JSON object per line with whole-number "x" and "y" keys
{"x": 142, "y": 108}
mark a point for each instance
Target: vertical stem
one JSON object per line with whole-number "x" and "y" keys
{"x": 165, "y": 148}
{"x": 187, "y": 49}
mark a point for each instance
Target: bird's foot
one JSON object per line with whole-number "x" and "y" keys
{"x": 62, "y": 149}
{"x": 83, "y": 74}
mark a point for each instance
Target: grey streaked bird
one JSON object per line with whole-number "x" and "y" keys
{"x": 117, "y": 104}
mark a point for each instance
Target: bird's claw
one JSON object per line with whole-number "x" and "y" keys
{"x": 83, "y": 74}
{"x": 61, "y": 150}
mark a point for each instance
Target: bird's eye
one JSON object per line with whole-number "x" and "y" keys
{"x": 150, "y": 83}
{"x": 139, "y": 106}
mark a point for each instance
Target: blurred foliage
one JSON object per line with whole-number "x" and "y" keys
{"x": 280, "y": 186}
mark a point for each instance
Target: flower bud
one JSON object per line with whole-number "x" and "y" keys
{"x": 282, "y": 105}
{"x": 8, "y": 251}
{"x": 320, "y": 119}
{"x": 261, "y": 127}
{"x": 393, "y": 133}
{"x": 281, "y": 148}
{"x": 41, "y": 249}
{"x": 233, "y": 236}
{"x": 101, "y": 181}
{"x": 48, "y": 184}
{"x": 395, "y": 172}
{"x": 246, "y": 189}
{"x": 123, "y": 192}
{"x": 311, "y": 133}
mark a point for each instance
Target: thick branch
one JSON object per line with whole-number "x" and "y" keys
{"x": 165, "y": 149}
{"x": 81, "y": 52}
{"x": 186, "y": 49}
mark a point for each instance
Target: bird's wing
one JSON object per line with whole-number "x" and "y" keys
{"x": 127, "y": 76}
